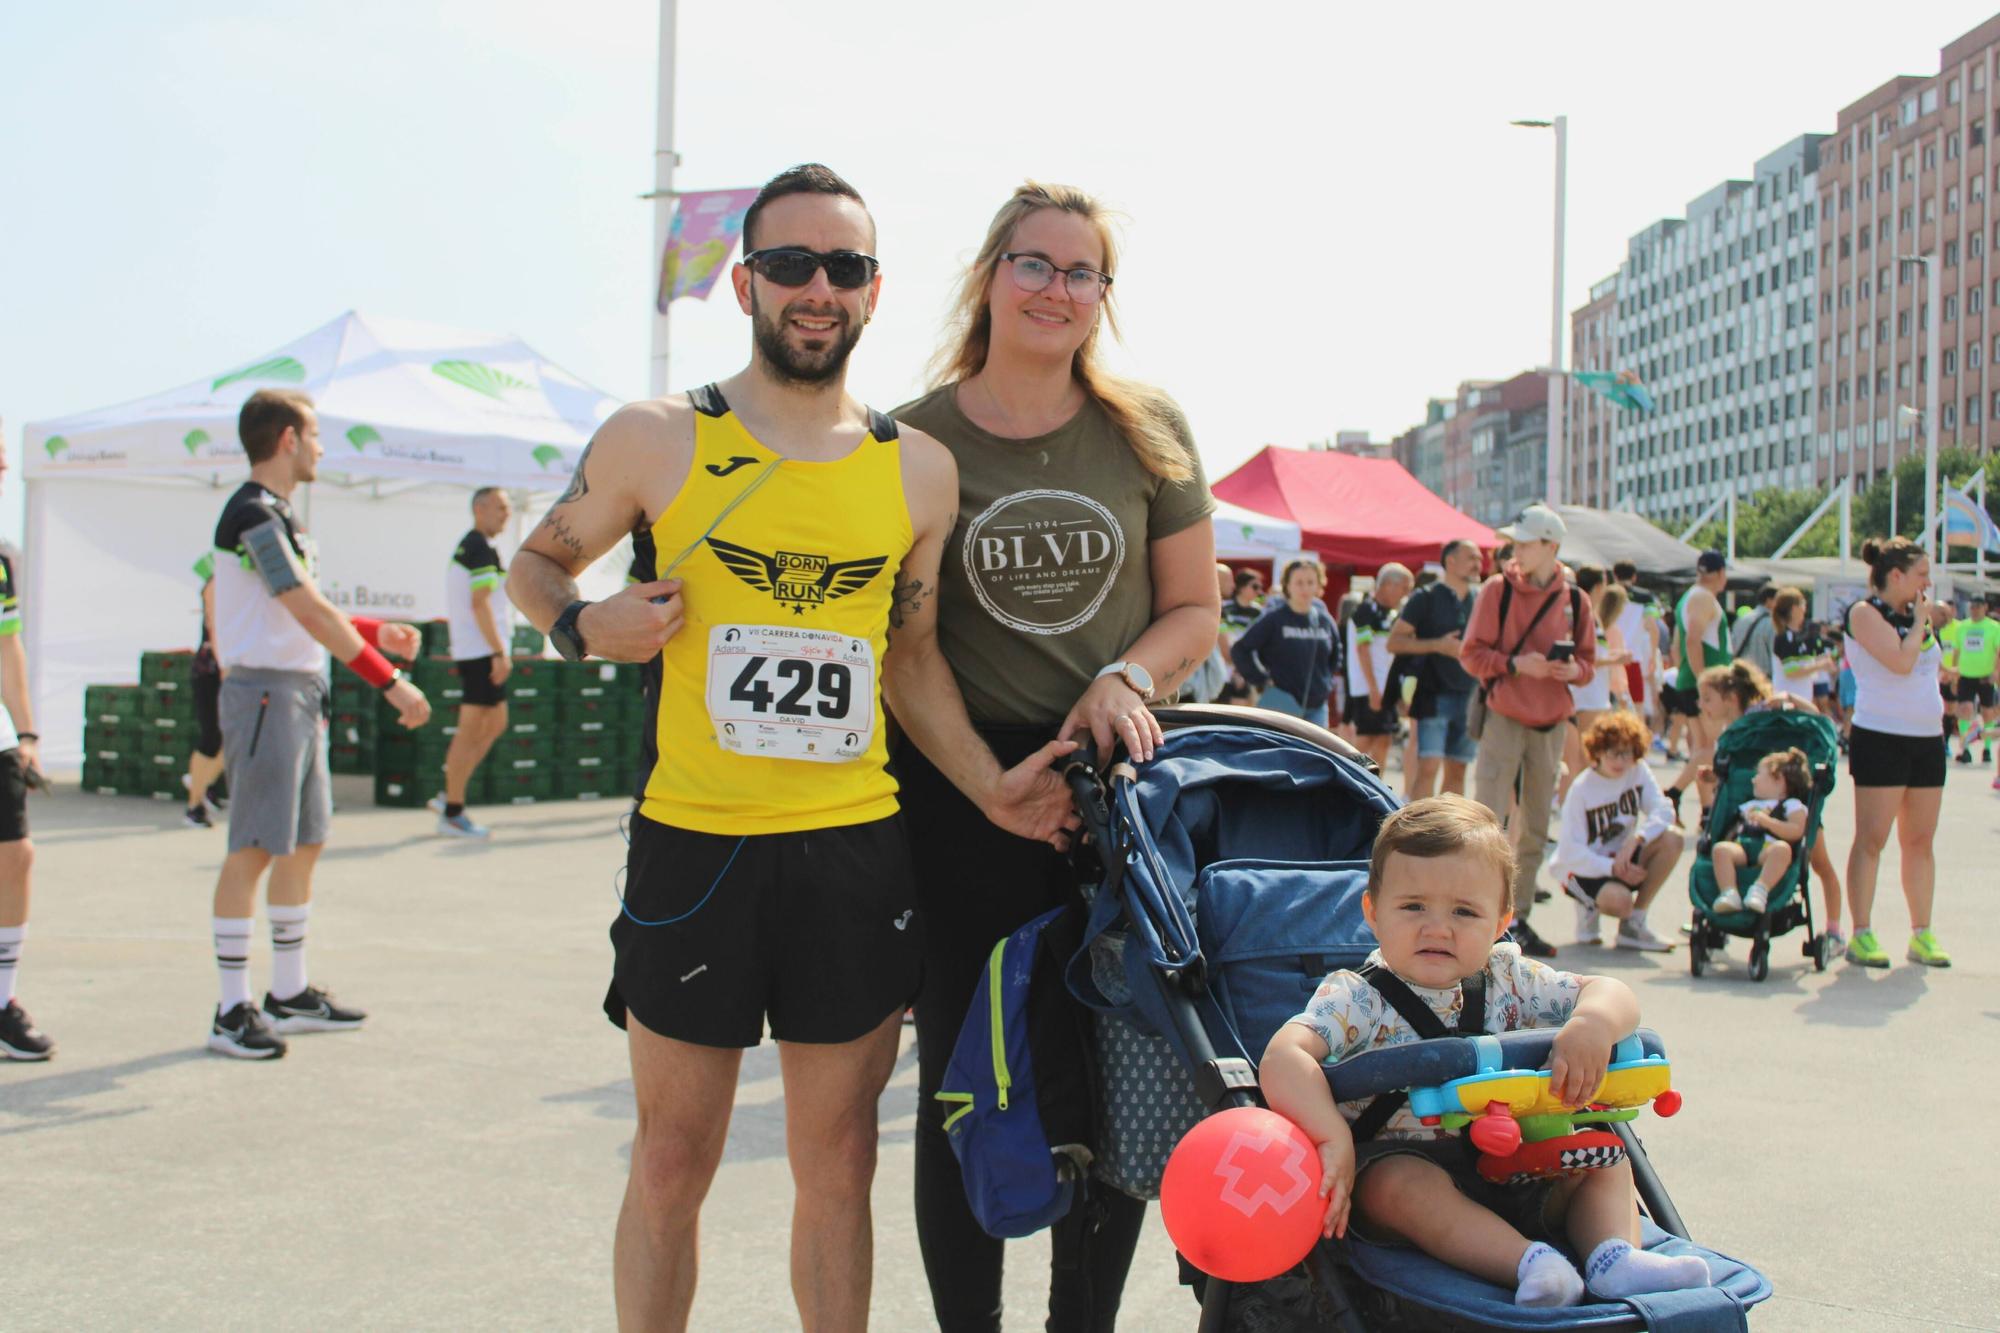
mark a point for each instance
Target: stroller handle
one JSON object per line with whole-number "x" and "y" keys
{"x": 1429, "y": 1064}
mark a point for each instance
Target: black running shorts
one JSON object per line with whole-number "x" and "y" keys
{"x": 1979, "y": 692}
{"x": 13, "y": 797}
{"x": 1371, "y": 721}
{"x": 815, "y": 932}
{"x": 1679, "y": 702}
{"x": 207, "y": 689}
{"x": 476, "y": 675}
{"x": 1880, "y": 759}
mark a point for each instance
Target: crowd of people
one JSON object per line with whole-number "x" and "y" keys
{"x": 1015, "y": 563}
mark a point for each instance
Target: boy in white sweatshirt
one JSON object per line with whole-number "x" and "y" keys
{"x": 1618, "y": 842}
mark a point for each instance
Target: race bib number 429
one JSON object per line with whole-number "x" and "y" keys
{"x": 783, "y": 693}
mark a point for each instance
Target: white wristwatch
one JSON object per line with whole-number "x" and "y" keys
{"x": 1137, "y": 679}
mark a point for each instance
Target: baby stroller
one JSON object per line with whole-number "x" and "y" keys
{"x": 1737, "y": 752}
{"x": 1232, "y": 867}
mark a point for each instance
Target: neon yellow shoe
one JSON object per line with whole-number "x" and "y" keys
{"x": 1866, "y": 950}
{"x": 1925, "y": 949}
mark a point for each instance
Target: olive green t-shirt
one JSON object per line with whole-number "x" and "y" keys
{"x": 1045, "y": 578}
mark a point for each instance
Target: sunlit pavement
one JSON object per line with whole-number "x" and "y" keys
{"x": 459, "y": 1162}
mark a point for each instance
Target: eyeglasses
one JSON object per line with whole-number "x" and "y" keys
{"x": 794, "y": 266}
{"x": 1032, "y": 273}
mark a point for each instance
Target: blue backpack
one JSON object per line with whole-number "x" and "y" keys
{"x": 1019, "y": 1090}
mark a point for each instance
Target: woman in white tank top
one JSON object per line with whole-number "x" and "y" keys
{"x": 1896, "y": 752}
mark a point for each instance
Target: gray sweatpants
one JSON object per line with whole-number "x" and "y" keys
{"x": 274, "y": 750}
{"x": 1507, "y": 748}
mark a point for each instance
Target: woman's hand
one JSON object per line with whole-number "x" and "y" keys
{"x": 1112, "y": 711}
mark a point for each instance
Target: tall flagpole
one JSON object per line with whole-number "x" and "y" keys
{"x": 664, "y": 162}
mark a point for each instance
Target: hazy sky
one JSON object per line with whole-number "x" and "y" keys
{"x": 1329, "y": 219}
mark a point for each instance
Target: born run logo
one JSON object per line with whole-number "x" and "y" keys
{"x": 1262, "y": 1170}
{"x": 794, "y": 578}
{"x": 1042, "y": 562}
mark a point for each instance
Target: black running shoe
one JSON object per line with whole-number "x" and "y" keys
{"x": 243, "y": 1033}
{"x": 196, "y": 816}
{"x": 1965, "y": 756}
{"x": 1532, "y": 945}
{"x": 311, "y": 1010}
{"x": 20, "y": 1039}
{"x": 217, "y": 795}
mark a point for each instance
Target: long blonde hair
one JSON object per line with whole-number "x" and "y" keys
{"x": 1135, "y": 409}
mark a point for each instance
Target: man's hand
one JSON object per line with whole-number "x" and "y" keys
{"x": 1630, "y": 871}
{"x": 1336, "y": 1183}
{"x": 1447, "y": 644}
{"x": 1374, "y": 701}
{"x": 412, "y": 709}
{"x": 1032, "y": 801}
{"x": 633, "y": 624}
{"x": 503, "y": 667}
{"x": 1564, "y": 671}
{"x": 1532, "y": 665}
{"x": 399, "y": 640}
{"x": 1581, "y": 1055}
{"x": 31, "y": 765}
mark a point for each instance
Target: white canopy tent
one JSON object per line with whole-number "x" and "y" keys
{"x": 413, "y": 417}
{"x": 1245, "y": 534}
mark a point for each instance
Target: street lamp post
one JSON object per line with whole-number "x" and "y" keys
{"x": 1933, "y": 289}
{"x": 1555, "y": 478}
{"x": 664, "y": 161}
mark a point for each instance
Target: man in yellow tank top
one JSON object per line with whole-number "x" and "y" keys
{"x": 781, "y": 529}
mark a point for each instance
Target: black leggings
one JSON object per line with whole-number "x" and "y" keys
{"x": 976, "y": 884}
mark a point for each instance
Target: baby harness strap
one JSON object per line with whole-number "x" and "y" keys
{"x": 1471, "y": 1023}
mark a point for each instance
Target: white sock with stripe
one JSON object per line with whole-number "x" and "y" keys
{"x": 10, "y": 957}
{"x": 232, "y": 959}
{"x": 288, "y": 949}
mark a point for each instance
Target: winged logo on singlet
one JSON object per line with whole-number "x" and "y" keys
{"x": 796, "y": 579}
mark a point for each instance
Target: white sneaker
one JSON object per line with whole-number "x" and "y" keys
{"x": 1636, "y": 934}
{"x": 1729, "y": 900}
{"x": 1589, "y": 925}
{"x": 460, "y": 825}
{"x": 436, "y": 804}
{"x": 1756, "y": 900}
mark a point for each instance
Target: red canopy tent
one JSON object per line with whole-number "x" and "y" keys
{"x": 1360, "y": 513}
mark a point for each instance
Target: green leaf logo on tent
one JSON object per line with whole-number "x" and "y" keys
{"x": 193, "y": 441}
{"x": 363, "y": 436}
{"x": 280, "y": 368}
{"x": 478, "y": 378}
{"x": 547, "y": 455}
{"x": 55, "y": 444}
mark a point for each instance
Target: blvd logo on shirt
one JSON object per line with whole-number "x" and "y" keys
{"x": 1043, "y": 561}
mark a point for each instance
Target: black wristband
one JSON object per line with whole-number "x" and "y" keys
{"x": 396, "y": 678}
{"x": 29, "y": 735}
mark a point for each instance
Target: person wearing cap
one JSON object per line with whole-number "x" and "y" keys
{"x": 1704, "y": 643}
{"x": 1510, "y": 649}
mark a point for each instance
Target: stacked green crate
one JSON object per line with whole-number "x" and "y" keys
{"x": 437, "y": 638}
{"x": 597, "y": 747}
{"x": 167, "y": 733}
{"x": 409, "y": 765}
{"x": 113, "y": 731}
{"x": 527, "y": 642}
{"x": 355, "y": 725}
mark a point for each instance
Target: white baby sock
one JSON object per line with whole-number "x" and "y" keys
{"x": 1616, "y": 1269}
{"x": 1546, "y": 1279}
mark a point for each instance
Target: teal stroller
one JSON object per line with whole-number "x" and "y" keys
{"x": 1736, "y": 754}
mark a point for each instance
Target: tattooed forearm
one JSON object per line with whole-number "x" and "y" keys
{"x": 908, "y": 600}
{"x": 579, "y": 485}
{"x": 1174, "y": 676}
{"x": 560, "y": 530}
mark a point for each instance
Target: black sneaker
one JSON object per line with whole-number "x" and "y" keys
{"x": 1965, "y": 756}
{"x": 311, "y": 1010}
{"x": 1532, "y": 945}
{"x": 20, "y": 1039}
{"x": 217, "y": 795}
{"x": 243, "y": 1033}
{"x": 196, "y": 816}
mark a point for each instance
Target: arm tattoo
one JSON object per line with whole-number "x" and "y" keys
{"x": 560, "y": 530}
{"x": 907, "y": 601}
{"x": 1180, "y": 670}
{"x": 579, "y": 485}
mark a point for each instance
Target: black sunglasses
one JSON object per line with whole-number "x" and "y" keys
{"x": 794, "y": 266}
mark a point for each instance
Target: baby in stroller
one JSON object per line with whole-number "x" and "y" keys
{"x": 1776, "y": 814}
{"x": 1438, "y": 899}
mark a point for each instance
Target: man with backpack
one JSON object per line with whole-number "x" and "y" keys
{"x": 1531, "y": 637}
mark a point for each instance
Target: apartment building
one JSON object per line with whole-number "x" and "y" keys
{"x": 1484, "y": 450}
{"x": 1587, "y": 418}
{"x": 1906, "y": 176}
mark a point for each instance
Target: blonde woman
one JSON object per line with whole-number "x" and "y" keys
{"x": 1079, "y": 588}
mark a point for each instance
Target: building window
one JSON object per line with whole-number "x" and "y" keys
{"x": 1951, "y": 146}
{"x": 1909, "y": 114}
{"x": 1951, "y": 361}
{"x": 1904, "y": 215}
{"x": 1948, "y": 417}
{"x": 1972, "y": 410}
{"x": 1930, "y": 210}
{"x": 1972, "y": 354}
{"x": 1951, "y": 93}
{"x": 1978, "y": 78}
{"x": 1950, "y": 308}
{"x": 1975, "y": 245}
{"x": 1927, "y": 101}
{"x": 1951, "y": 254}
{"x": 1902, "y": 374}
{"x": 1930, "y": 157}
{"x": 1951, "y": 199}
{"x": 1976, "y": 133}
{"x": 1974, "y": 299}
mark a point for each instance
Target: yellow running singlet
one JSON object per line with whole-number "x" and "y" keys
{"x": 767, "y": 716}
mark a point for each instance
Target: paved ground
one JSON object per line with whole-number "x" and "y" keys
{"x": 459, "y": 1162}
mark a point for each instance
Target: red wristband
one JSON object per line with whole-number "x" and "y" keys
{"x": 372, "y": 667}
{"x": 369, "y": 628}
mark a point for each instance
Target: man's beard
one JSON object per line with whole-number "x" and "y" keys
{"x": 807, "y": 368}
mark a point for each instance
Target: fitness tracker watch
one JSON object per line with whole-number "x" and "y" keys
{"x": 1137, "y": 679}
{"x": 568, "y": 640}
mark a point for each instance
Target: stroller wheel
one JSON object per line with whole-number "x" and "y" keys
{"x": 1760, "y": 960}
{"x": 1697, "y": 951}
{"x": 1822, "y": 952}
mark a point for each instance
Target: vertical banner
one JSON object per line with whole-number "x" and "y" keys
{"x": 704, "y": 230}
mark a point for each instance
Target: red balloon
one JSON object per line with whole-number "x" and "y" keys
{"x": 1241, "y": 1195}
